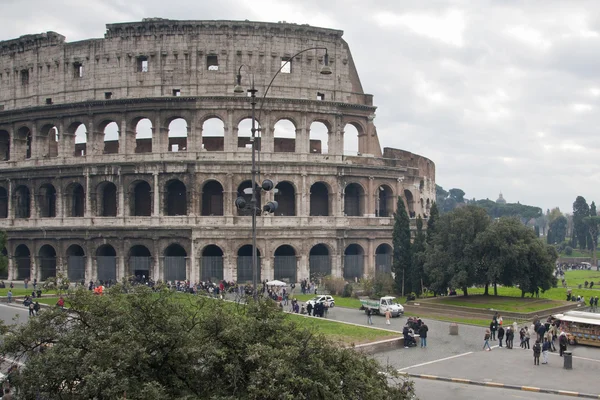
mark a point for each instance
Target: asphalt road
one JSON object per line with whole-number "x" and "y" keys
{"x": 14, "y": 313}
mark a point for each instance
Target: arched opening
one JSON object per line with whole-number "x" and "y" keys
{"x": 285, "y": 268}
{"x": 178, "y": 133}
{"x": 319, "y": 200}
{"x": 140, "y": 262}
{"x": 106, "y": 263}
{"x": 23, "y": 260}
{"x": 213, "y": 135}
{"x": 111, "y": 138}
{"x": 49, "y": 138}
{"x": 410, "y": 203}
{"x": 285, "y": 195}
{"x": 284, "y": 136}
{"x": 75, "y": 263}
{"x": 212, "y": 198}
{"x": 212, "y": 264}
{"x": 244, "y": 264}
{"x": 4, "y": 146}
{"x": 354, "y": 257}
{"x": 3, "y": 203}
{"x": 354, "y": 200}
{"x": 351, "y": 140}
{"x": 245, "y": 190}
{"x": 47, "y": 201}
{"x": 319, "y": 262}
{"x": 81, "y": 139}
{"x": 47, "y": 258}
{"x": 107, "y": 198}
{"x": 75, "y": 200}
{"x": 383, "y": 258}
{"x": 318, "y": 138}
{"x": 244, "y": 139}
{"x": 25, "y": 134}
{"x": 22, "y": 202}
{"x": 427, "y": 208}
{"x": 175, "y": 263}
{"x": 176, "y": 198}
{"x": 385, "y": 201}
{"x": 140, "y": 200}
{"x": 143, "y": 136}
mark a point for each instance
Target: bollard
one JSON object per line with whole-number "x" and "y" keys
{"x": 454, "y": 329}
{"x": 568, "y": 356}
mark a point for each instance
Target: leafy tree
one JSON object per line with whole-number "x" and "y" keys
{"x": 402, "y": 262}
{"x": 580, "y": 230}
{"x": 593, "y": 223}
{"x": 434, "y": 215}
{"x": 457, "y": 194}
{"x": 440, "y": 194}
{"x": 553, "y": 214}
{"x": 451, "y": 259}
{"x": 418, "y": 261}
{"x": 537, "y": 269}
{"x": 145, "y": 345}
{"x": 557, "y": 232}
{"x": 3, "y": 258}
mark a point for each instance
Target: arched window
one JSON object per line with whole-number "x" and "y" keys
{"x": 107, "y": 198}
{"x": 319, "y": 138}
{"x": 245, "y": 134}
{"x": 285, "y": 195}
{"x": 385, "y": 201}
{"x": 3, "y": 203}
{"x": 75, "y": 200}
{"x": 284, "y": 136}
{"x": 4, "y": 146}
{"x": 319, "y": 200}
{"x": 176, "y": 198}
{"x": 354, "y": 257}
{"x": 354, "y": 200}
{"x": 351, "y": 140}
{"x": 141, "y": 199}
{"x": 47, "y": 201}
{"x": 410, "y": 203}
{"x": 111, "y": 138}
{"x": 81, "y": 139}
{"x": 22, "y": 202}
{"x": 212, "y": 198}
{"x": 245, "y": 190}
{"x": 178, "y": 133}
{"x": 285, "y": 268}
{"x": 244, "y": 264}
{"x": 106, "y": 263}
{"x": 212, "y": 264}
{"x": 175, "y": 263}
{"x": 319, "y": 262}
{"x": 47, "y": 258}
{"x": 75, "y": 263}
{"x": 213, "y": 135}
{"x": 143, "y": 136}
{"x": 49, "y": 140}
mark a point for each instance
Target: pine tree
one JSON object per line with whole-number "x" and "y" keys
{"x": 418, "y": 262}
{"x": 434, "y": 215}
{"x": 581, "y": 210}
{"x": 402, "y": 248}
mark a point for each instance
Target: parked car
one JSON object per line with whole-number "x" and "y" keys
{"x": 326, "y": 299}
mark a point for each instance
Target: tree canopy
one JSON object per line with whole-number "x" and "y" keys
{"x": 581, "y": 210}
{"x": 402, "y": 259}
{"x": 145, "y": 345}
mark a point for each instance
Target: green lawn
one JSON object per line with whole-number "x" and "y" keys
{"x": 552, "y": 294}
{"x": 578, "y": 277}
{"x": 501, "y": 303}
{"x": 20, "y": 291}
{"x": 469, "y": 321}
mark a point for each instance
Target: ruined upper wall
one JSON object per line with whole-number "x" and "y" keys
{"x": 37, "y": 69}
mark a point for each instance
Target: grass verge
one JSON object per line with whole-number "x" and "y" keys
{"x": 578, "y": 277}
{"x": 501, "y": 303}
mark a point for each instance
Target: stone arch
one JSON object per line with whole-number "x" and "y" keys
{"x": 3, "y": 202}
{"x": 178, "y": 134}
{"x": 75, "y": 263}
{"x": 110, "y": 134}
{"x": 23, "y": 262}
{"x": 285, "y": 264}
{"x": 284, "y": 136}
{"x": 383, "y": 258}
{"x": 75, "y": 200}
{"x": 107, "y": 199}
{"x": 410, "y": 203}
{"x": 244, "y": 133}
{"x": 47, "y": 201}
{"x": 244, "y": 264}
{"x": 22, "y": 202}
{"x": 427, "y": 208}
{"x": 354, "y": 259}
{"x": 79, "y": 131}
{"x": 285, "y": 195}
{"x": 140, "y": 262}
{"x": 213, "y": 133}
{"x": 143, "y": 134}
{"x": 244, "y": 190}
{"x": 352, "y": 133}
{"x": 106, "y": 263}
{"x": 211, "y": 266}
{"x": 4, "y": 145}
{"x": 175, "y": 198}
{"x": 47, "y": 262}
{"x": 49, "y": 139}
{"x": 320, "y": 199}
{"x": 354, "y": 200}
{"x": 24, "y": 135}
{"x": 385, "y": 201}
{"x": 212, "y": 198}
{"x": 140, "y": 199}
{"x": 175, "y": 265}
{"x": 319, "y": 137}
{"x": 319, "y": 261}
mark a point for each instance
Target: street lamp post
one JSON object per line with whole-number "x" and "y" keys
{"x": 267, "y": 184}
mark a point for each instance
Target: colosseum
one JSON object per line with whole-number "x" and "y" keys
{"x": 124, "y": 155}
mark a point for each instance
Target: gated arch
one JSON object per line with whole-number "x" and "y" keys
{"x": 75, "y": 263}
{"x": 383, "y": 258}
{"x": 211, "y": 266}
{"x": 23, "y": 261}
{"x": 175, "y": 263}
{"x": 212, "y": 198}
{"x": 354, "y": 257}
{"x": 285, "y": 266}
{"x": 106, "y": 263}
{"x": 176, "y": 198}
{"x": 354, "y": 196}
{"x": 140, "y": 262}
{"x": 47, "y": 261}
{"x": 319, "y": 261}
{"x": 244, "y": 264}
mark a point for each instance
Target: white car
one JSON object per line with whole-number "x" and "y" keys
{"x": 326, "y": 299}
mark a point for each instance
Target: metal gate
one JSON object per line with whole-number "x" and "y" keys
{"x": 383, "y": 263}
{"x": 353, "y": 266}
{"x": 244, "y": 269}
{"x": 175, "y": 268}
{"x": 320, "y": 266}
{"x": 76, "y": 268}
{"x": 212, "y": 269}
{"x": 47, "y": 267}
{"x": 107, "y": 268}
{"x": 285, "y": 268}
{"x": 140, "y": 266}
{"x": 23, "y": 268}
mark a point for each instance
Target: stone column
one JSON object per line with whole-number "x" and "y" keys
{"x": 156, "y": 208}
{"x": 267, "y": 134}
{"x": 303, "y": 198}
{"x": 156, "y": 135}
{"x": 193, "y": 270}
{"x": 60, "y": 212}
{"x": 121, "y": 195}
{"x": 10, "y": 214}
{"x": 88, "y": 196}
{"x": 370, "y": 259}
{"x": 33, "y": 209}
{"x": 229, "y": 134}
{"x": 228, "y": 196}
{"x": 125, "y": 143}
{"x": 370, "y": 203}
{"x": 89, "y": 274}
{"x": 12, "y": 275}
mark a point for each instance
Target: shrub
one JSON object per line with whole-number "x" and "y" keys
{"x": 335, "y": 286}
{"x": 347, "y": 290}
{"x": 568, "y": 250}
{"x": 383, "y": 284}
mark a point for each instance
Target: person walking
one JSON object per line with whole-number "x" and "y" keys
{"x": 537, "y": 349}
{"x": 369, "y": 313}
{"x": 527, "y": 337}
{"x": 545, "y": 350}
{"x": 486, "y": 340}
{"x": 562, "y": 342}
{"x": 510, "y": 335}
{"x": 423, "y": 329}
{"x": 9, "y": 296}
{"x": 500, "y": 335}
{"x": 388, "y": 315}
{"x": 493, "y": 328}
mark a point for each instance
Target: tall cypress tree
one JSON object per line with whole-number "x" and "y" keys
{"x": 418, "y": 261}
{"x": 402, "y": 250}
{"x": 434, "y": 215}
{"x": 580, "y": 229}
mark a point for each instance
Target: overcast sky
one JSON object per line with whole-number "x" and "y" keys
{"x": 502, "y": 95}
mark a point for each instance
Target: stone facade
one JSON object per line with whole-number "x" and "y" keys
{"x": 97, "y": 181}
